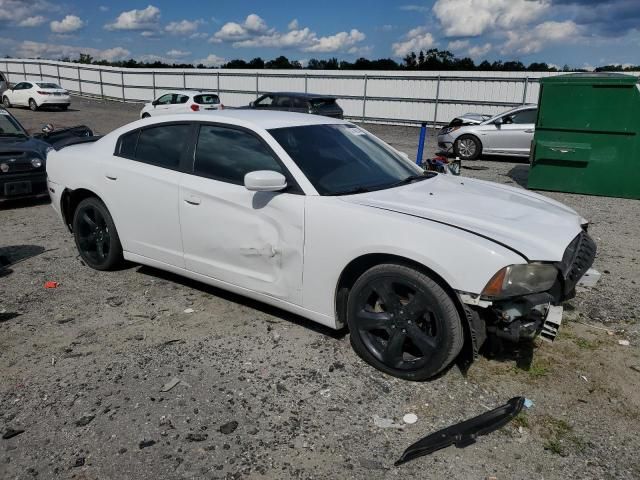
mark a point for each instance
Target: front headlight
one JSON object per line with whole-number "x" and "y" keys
{"x": 516, "y": 280}
{"x": 36, "y": 162}
{"x": 447, "y": 130}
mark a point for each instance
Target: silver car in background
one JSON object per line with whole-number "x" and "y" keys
{"x": 471, "y": 135}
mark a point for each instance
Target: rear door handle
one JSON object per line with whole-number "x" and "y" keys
{"x": 193, "y": 200}
{"x": 529, "y": 131}
{"x": 111, "y": 177}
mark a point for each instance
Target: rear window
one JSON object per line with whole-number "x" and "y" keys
{"x": 48, "y": 85}
{"x": 322, "y": 102}
{"x": 207, "y": 99}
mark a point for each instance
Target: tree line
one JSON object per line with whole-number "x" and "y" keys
{"x": 432, "y": 59}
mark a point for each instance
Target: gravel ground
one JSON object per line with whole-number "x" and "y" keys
{"x": 265, "y": 394}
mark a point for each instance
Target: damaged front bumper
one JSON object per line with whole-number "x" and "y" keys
{"x": 527, "y": 316}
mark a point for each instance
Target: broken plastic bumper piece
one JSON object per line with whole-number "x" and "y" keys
{"x": 465, "y": 433}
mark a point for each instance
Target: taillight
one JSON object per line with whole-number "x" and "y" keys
{"x": 43, "y": 93}
{"x": 195, "y": 107}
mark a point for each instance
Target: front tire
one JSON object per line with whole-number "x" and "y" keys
{"x": 33, "y": 106}
{"x": 6, "y": 102}
{"x": 403, "y": 323}
{"x": 96, "y": 236}
{"x": 467, "y": 147}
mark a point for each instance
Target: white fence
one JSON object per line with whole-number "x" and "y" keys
{"x": 378, "y": 96}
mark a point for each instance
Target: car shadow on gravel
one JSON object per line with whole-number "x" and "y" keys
{"x": 16, "y": 253}
{"x": 247, "y": 302}
{"x": 519, "y": 174}
{"x": 13, "y": 204}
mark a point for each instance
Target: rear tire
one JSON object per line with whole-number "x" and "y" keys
{"x": 403, "y": 323}
{"x": 467, "y": 147}
{"x": 33, "y": 106}
{"x": 96, "y": 236}
{"x": 6, "y": 102}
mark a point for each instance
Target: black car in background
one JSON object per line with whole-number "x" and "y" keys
{"x": 23, "y": 157}
{"x": 299, "y": 102}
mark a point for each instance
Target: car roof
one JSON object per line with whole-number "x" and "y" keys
{"x": 302, "y": 95}
{"x": 256, "y": 120}
{"x": 191, "y": 92}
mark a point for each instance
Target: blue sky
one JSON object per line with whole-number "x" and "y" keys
{"x": 581, "y": 33}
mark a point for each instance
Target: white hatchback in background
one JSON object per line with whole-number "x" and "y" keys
{"x": 35, "y": 95}
{"x": 182, "y": 101}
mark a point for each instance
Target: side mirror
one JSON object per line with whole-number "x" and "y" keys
{"x": 154, "y": 103}
{"x": 252, "y": 104}
{"x": 265, "y": 181}
{"x": 498, "y": 121}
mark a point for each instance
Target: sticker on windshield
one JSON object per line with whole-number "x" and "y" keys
{"x": 355, "y": 131}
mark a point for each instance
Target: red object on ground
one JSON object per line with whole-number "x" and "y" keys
{"x": 51, "y": 284}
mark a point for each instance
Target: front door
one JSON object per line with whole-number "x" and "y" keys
{"x": 142, "y": 182}
{"x": 249, "y": 239}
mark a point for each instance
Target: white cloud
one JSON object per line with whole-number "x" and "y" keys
{"x": 387, "y": 28}
{"x": 29, "y": 49}
{"x": 34, "y": 21}
{"x": 414, "y": 8}
{"x": 145, "y": 19}
{"x": 211, "y": 60}
{"x": 68, "y": 24}
{"x": 16, "y": 11}
{"x": 462, "y": 18}
{"x": 415, "y": 40}
{"x": 478, "y": 51}
{"x": 254, "y": 32}
{"x": 175, "y": 53}
{"x": 183, "y": 27}
{"x": 103, "y": 8}
{"x": 535, "y": 39}
{"x": 458, "y": 45}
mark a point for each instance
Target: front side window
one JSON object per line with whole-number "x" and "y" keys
{"x": 19, "y": 86}
{"x": 342, "y": 159}
{"x": 265, "y": 101}
{"x": 525, "y": 116}
{"x": 228, "y": 154}
{"x": 283, "y": 102}
{"x": 165, "y": 99}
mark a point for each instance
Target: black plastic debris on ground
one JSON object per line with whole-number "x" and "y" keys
{"x": 10, "y": 433}
{"x": 465, "y": 433}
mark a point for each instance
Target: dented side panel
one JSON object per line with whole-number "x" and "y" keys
{"x": 250, "y": 239}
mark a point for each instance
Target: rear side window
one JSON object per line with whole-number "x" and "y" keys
{"x": 206, "y": 99}
{"x": 128, "y": 144}
{"x": 228, "y": 154}
{"x": 181, "y": 99}
{"x": 162, "y": 145}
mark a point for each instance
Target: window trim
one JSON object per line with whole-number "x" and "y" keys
{"x": 183, "y": 162}
{"x": 293, "y": 186}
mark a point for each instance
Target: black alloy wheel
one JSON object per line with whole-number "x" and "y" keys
{"x": 403, "y": 323}
{"x": 96, "y": 236}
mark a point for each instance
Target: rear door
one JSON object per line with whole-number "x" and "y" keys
{"x": 20, "y": 93}
{"x": 142, "y": 184}
{"x": 282, "y": 102}
{"x": 253, "y": 240}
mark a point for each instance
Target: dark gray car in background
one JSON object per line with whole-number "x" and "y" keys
{"x": 299, "y": 102}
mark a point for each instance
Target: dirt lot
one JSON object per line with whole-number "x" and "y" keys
{"x": 265, "y": 394}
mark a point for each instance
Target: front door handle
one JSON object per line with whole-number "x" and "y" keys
{"x": 529, "y": 131}
{"x": 193, "y": 200}
{"x": 111, "y": 177}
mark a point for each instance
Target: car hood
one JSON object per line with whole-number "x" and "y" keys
{"x": 537, "y": 227}
{"x": 16, "y": 145}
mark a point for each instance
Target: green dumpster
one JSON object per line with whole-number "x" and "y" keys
{"x": 587, "y": 137}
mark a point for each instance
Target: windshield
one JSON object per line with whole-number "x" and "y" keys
{"x": 48, "y": 85}
{"x": 9, "y": 126}
{"x": 343, "y": 159}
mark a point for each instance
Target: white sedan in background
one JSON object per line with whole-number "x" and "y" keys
{"x": 182, "y": 101}
{"x": 36, "y": 94}
{"x": 320, "y": 218}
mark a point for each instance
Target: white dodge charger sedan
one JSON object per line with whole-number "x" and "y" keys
{"x": 319, "y": 217}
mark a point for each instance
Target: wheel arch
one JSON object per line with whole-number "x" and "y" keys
{"x": 361, "y": 264}
{"x": 69, "y": 202}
